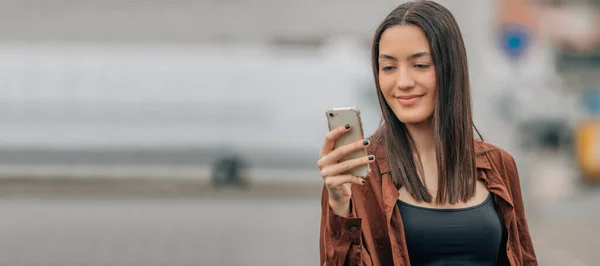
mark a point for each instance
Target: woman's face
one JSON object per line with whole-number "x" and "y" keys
{"x": 406, "y": 73}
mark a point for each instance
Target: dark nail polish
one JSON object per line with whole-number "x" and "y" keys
{"x": 365, "y": 142}
{"x": 347, "y": 126}
{"x": 363, "y": 181}
{"x": 371, "y": 157}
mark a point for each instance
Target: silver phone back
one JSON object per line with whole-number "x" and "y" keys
{"x": 337, "y": 117}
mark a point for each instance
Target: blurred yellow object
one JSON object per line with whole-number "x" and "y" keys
{"x": 587, "y": 141}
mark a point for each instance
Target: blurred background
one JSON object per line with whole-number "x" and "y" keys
{"x": 187, "y": 132}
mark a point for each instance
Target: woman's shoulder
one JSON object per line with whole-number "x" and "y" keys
{"x": 500, "y": 160}
{"x": 494, "y": 153}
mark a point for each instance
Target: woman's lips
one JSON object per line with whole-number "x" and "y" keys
{"x": 409, "y": 99}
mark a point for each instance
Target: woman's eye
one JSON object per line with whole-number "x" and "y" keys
{"x": 387, "y": 68}
{"x": 422, "y": 66}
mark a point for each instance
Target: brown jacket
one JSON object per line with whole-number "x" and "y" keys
{"x": 374, "y": 234}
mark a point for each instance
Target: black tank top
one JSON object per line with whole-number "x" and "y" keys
{"x": 466, "y": 236}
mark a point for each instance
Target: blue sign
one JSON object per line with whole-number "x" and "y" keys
{"x": 591, "y": 101}
{"x": 514, "y": 40}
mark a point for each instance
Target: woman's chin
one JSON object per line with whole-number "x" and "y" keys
{"x": 413, "y": 118}
{"x": 412, "y": 121}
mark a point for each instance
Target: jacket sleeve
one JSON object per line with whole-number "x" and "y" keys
{"x": 341, "y": 237}
{"x": 529, "y": 257}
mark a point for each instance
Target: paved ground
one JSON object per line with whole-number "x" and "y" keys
{"x": 221, "y": 230}
{"x": 152, "y": 231}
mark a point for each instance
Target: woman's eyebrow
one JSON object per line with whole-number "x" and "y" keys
{"x": 412, "y": 56}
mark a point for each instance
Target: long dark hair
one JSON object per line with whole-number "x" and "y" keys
{"x": 452, "y": 119}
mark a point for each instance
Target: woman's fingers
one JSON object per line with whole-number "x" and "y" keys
{"x": 332, "y": 182}
{"x": 332, "y": 171}
{"x": 331, "y": 137}
{"x": 337, "y": 169}
{"x": 337, "y": 154}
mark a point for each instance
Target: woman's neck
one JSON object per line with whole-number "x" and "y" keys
{"x": 422, "y": 135}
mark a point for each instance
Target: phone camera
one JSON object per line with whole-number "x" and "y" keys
{"x": 331, "y": 114}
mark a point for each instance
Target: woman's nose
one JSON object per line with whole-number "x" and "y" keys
{"x": 404, "y": 80}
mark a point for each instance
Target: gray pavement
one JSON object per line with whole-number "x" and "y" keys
{"x": 155, "y": 231}
{"x": 217, "y": 229}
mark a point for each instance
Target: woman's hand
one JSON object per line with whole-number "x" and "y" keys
{"x": 339, "y": 185}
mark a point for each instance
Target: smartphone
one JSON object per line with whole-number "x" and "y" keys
{"x": 337, "y": 117}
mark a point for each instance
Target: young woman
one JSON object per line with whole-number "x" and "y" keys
{"x": 435, "y": 195}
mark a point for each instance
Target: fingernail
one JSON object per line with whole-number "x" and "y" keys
{"x": 365, "y": 142}
{"x": 371, "y": 157}
{"x": 363, "y": 181}
{"x": 347, "y": 126}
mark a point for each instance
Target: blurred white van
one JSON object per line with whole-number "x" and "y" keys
{"x": 126, "y": 106}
